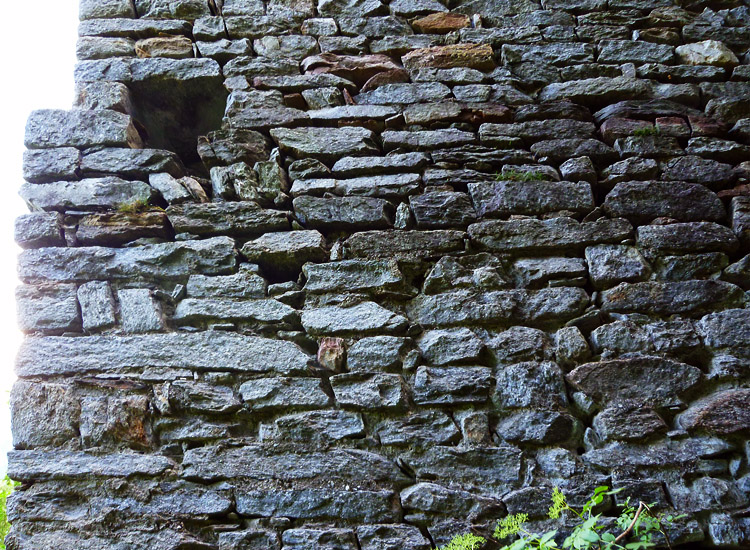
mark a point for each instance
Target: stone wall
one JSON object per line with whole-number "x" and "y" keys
{"x": 359, "y": 275}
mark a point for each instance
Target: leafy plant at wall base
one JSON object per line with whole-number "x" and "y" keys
{"x": 6, "y": 488}
{"x": 638, "y": 528}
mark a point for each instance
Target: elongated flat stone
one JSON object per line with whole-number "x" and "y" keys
{"x": 505, "y": 198}
{"x": 241, "y": 219}
{"x": 158, "y": 261}
{"x": 320, "y": 504}
{"x": 547, "y": 235}
{"x": 202, "y": 351}
{"x": 669, "y": 298}
{"x": 261, "y": 463}
{"x": 88, "y": 194}
{"x": 642, "y": 201}
{"x": 403, "y": 244}
{"x": 384, "y": 186}
{"x": 41, "y": 465}
{"x": 80, "y": 128}
{"x": 326, "y": 144}
{"x": 263, "y": 311}
{"x": 467, "y": 307}
{"x": 363, "y": 318}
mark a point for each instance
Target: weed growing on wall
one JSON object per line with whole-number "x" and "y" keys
{"x": 7, "y": 486}
{"x": 637, "y": 528}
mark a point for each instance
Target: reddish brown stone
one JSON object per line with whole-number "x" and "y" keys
{"x": 441, "y": 23}
{"x": 387, "y": 77}
{"x": 702, "y": 126}
{"x": 357, "y": 68}
{"x": 332, "y": 354}
{"x": 114, "y": 229}
{"x": 615, "y": 128}
{"x": 723, "y": 413}
{"x": 473, "y": 56}
{"x": 673, "y": 126}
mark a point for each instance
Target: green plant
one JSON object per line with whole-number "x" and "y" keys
{"x": 134, "y": 207}
{"x": 516, "y": 175}
{"x": 466, "y": 541}
{"x": 637, "y": 525}
{"x": 647, "y": 131}
{"x": 6, "y": 488}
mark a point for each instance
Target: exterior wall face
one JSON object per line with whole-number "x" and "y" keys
{"x": 362, "y": 275}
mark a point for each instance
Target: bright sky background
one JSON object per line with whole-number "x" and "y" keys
{"x": 38, "y": 45}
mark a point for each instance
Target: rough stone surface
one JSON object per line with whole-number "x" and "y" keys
{"x": 366, "y": 275}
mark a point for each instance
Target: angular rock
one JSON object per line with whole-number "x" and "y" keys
{"x": 363, "y": 318}
{"x": 80, "y": 128}
{"x": 504, "y": 198}
{"x": 645, "y": 380}
{"x": 43, "y": 465}
{"x": 611, "y": 264}
{"x": 120, "y": 228}
{"x": 49, "y": 165}
{"x": 385, "y": 537}
{"x": 403, "y": 245}
{"x": 536, "y": 385}
{"x": 682, "y": 238}
{"x": 177, "y": 260}
{"x": 451, "y": 385}
{"x": 240, "y": 219}
{"x": 641, "y": 202}
{"x": 344, "y": 213}
{"x": 369, "y": 391}
{"x": 722, "y": 413}
{"x": 440, "y": 23}
{"x": 726, "y": 329}
{"x": 442, "y": 209}
{"x": 450, "y": 346}
{"x": 319, "y": 427}
{"x": 267, "y": 312}
{"x": 39, "y": 229}
{"x": 547, "y": 235}
{"x": 373, "y": 276}
{"x": 202, "y": 351}
{"x": 629, "y": 51}
{"x": 285, "y": 253}
{"x": 88, "y": 194}
{"x": 48, "y": 308}
{"x": 473, "y": 56}
{"x": 708, "y": 52}
{"x": 325, "y": 144}
{"x": 377, "y": 354}
{"x": 420, "y": 429}
{"x": 265, "y": 394}
{"x": 383, "y": 186}
{"x": 43, "y": 414}
{"x": 426, "y": 140}
{"x": 596, "y": 92}
{"x": 669, "y": 298}
{"x": 97, "y": 305}
{"x": 325, "y": 539}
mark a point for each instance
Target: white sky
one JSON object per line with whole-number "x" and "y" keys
{"x": 38, "y": 45}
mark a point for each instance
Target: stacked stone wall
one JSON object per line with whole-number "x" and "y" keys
{"x": 363, "y": 275}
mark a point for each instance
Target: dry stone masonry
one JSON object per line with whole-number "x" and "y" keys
{"x": 363, "y": 275}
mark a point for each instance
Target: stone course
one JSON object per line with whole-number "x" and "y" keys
{"x": 364, "y": 274}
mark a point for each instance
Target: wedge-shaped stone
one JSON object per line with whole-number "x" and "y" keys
{"x": 247, "y": 283}
{"x": 504, "y": 198}
{"x": 262, "y": 394}
{"x": 227, "y": 309}
{"x": 209, "y": 351}
{"x": 376, "y": 276}
{"x": 404, "y": 93}
{"x": 722, "y": 413}
{"x": 320, "y": 504}
{"x": 323, "y": 537}
{"x": 326, "y": 144}
{"x": 536, "y": 130}
{"x": 430, "y": 497}
{"x": 357, "y": 166}
{"x": 683, "y": 238}
{"x": 467, "y": 307}
{"x": 41, "y": 465}
{"x": 531, "y": 384}
{"x": 560, "y": 150}
{"x": 642, "y": 201}
{"x": 596, "y": 92}
{"x": 685, "y": 454}
{"x": 177, "y": 260}
{"x": 48, "y": 165}
{"x": 286, "y": 252}
{"x": 442, "y": 209}
{"x": 610, "y": 264}
{"x": 670, "y": 298}
{"x": 201, "y": 397}
{"x": 486, "y": 469}
{"x": 403, "y": 245}
{"x": 378, "y": 354}
{"x": 115, "y": 229}
{"x": 88, "y": 194}
{"x": 451, "y": 385}
{"x": 369, "y": 391}
{"x": 473, "y": 56}
{"x": 43, "y": 414}
{"x": 263, "y": 463}
{"x": 131, "y": 163}
{"x": 388, "y": 186}
{"x": 647, "y": 380}
{"x": 420, "y": 429}
{"x": 449, "y": 346}
{"x": 540, "y": 428}
{"x": 726, "y": 329}
{"x": 80, "y": 128}
{"x": 547, "y": 235}
{"x": 361, "y": 319}
{"x": 240, "y": 219}
{"x": 426, "y": 140}
{"x": 344, "y": 213}
{"x": 319, "y": 427}
{"x": 48, "y": 308}
{"x": 556, "y": 53}
{"x": 383, "y": 537}
{"x": 634, "y": 51}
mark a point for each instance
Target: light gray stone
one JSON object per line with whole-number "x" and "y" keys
{"x": 97, "y": 305}
{"x": 80, "y": 128}
{"x": 87, "y": 194}
{"x": 139, "y": 311}
{"x": 262, "y": 394}
{"x": 363, "y": 318}
{"x": 48, "y": 308}
{"x": 450, "y": 346}
{"x": 369, "y": 391}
